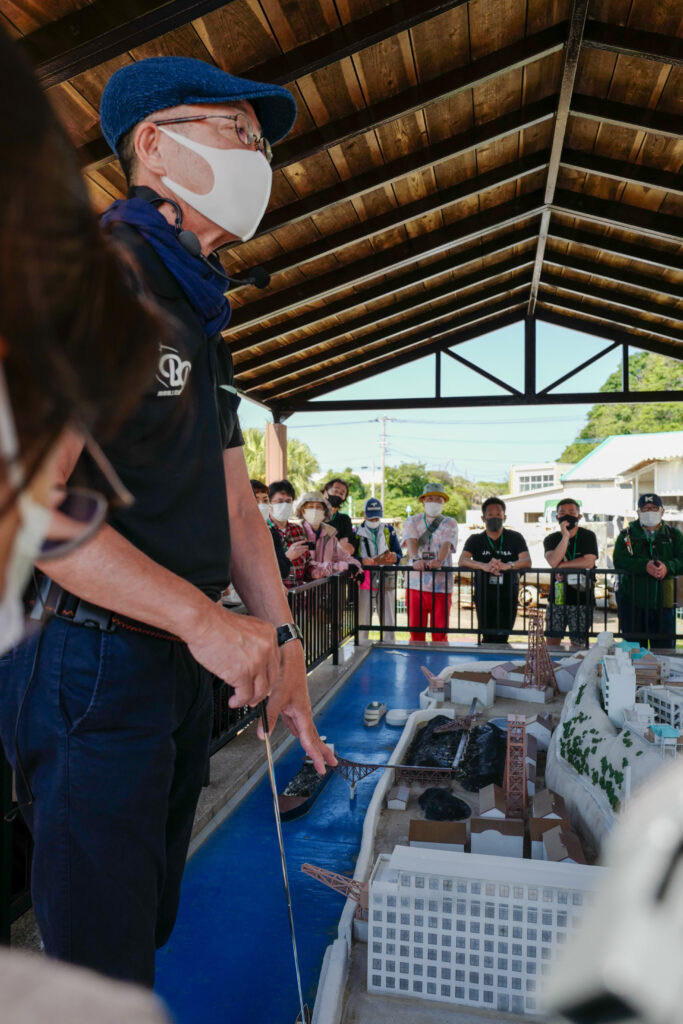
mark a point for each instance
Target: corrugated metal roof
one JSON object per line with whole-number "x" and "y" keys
{"x": 621, "y": 453}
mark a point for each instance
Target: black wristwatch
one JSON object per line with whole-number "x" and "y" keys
{"x": 290, "y": 631}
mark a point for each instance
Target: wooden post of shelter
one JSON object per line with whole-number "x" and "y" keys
{"x": 276, "y": 452}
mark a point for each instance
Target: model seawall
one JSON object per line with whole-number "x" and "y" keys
{"x": 590, "y": 762}
{"x": 329, "y": 1000}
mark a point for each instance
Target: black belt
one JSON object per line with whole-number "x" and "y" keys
{"x": 51, "y": 598}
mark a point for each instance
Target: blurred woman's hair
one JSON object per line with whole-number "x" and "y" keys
{"x": 79, "y": 338}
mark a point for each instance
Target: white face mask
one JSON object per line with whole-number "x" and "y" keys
{"x": 650, "y": 518}
{"x": 314, "y": 517}
{"x": 433, "y": 508}
{"x": 281, "y": 510}
{"x": 242, "y": 180}
{"x": 27, "y": 543}
{"x": 264, "y": 509}
{"x": 372, "y": 522}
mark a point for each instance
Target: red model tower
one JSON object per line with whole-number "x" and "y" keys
{"x": 515, "y": 768}
{"x": 538, "y": 670}
{"x": 349, "y": 887}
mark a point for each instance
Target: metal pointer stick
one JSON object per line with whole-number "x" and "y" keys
{"x": 278, "y": 824}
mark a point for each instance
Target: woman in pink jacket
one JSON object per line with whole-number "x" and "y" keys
{"x": 327, "y": 555}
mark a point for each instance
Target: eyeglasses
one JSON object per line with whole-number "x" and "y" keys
{"x": 240, "y": 124}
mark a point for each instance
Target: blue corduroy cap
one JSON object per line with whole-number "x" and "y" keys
{"x": 157, "y": 83}
{"x": 372, "y": 508}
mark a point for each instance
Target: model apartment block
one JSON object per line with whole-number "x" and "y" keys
{"x": 666, "y": 703}
{"x": 618, "y": 683}
{"x": 471, "y": 929}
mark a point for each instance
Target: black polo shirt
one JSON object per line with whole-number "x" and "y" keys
{"x": 507, "y": 548}
{"x": 578, "y": 582}
{"x": 169, "y": 453}
{"x": 343, "y": 525}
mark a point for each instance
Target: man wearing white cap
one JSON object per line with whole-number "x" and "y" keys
{"x": 432, "y": 538}
{"x": 377, "y": 545}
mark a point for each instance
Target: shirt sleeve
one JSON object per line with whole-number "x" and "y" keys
{"x": 551, "y": 541}
{"x": 227, "y": 399}
{"x": 410, "y": 531}
{"x": 590, "y": 543}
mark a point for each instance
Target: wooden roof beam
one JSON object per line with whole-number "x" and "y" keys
{"x": 613, "y": 318}
{"x": 431, "y": 332}
{"x": 107, "y": 28}
{"x": 619, "y": 215}
{"x": 611, "y": 332}
{"x": 661, "y": 259}
{"x": 413, "y": 163}
{"x": 624, "y": 115}
{"x": 518, "y": 55}
{"x": 623, "y": 299}
{"x": 649, "y": 283}
{"x": 102, "y": 30}
{"x": 453, "y": 262}
{"x": 631, "y": 42}
{"x": 571, "y": 62}
{"x": 341, "y": 277}
{"x": 510, "y": 270}
{"x": 623, "y": 170}
{"x": 502, "y": 314}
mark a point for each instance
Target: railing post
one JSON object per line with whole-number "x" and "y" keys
{"x": 356, "y": 596}
{"x": 337, "y": 581}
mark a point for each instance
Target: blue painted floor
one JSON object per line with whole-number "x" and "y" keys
{"x": 229, "y": 958}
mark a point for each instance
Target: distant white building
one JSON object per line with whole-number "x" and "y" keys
{"x": 660, "y": 470}
{"x": 618, "y": 684}
{"x": 470, "y": 929}
{"x": 666, "y": 703}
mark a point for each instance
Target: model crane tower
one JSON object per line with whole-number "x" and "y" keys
{"x": 538, "y": 669}
{"x": 349, "y": 887}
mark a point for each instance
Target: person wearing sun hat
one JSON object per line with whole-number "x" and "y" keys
{"x": 648, "y": 554}
{"x": 377, "y": 545}
{"x": 431, "y": 540}
{"x": 136, "y": 689}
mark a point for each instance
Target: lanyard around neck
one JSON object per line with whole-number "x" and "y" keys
{"x": 493, "y": 546}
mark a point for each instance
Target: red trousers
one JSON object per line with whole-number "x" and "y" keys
{"x": 426, "y": 606}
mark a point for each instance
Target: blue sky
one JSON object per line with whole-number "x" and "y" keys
{"x": 480, "y": 444}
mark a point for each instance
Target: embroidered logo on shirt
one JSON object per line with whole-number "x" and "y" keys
{"x": 172, "y": 372}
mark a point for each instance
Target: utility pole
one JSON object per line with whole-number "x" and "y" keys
{"x": 383, "y": 449}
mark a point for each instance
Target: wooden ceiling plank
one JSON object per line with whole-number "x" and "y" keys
{"x": 613, "y": 214}
{"x": 625, "y": 115}
{"x": 105, "y": 29}
{"x": 391, "y": 358}
{"x": 623, "y": 171}
{"x": 659, "y": 258}
{"x": 482, "y": 277}
{"x": 612, "y": 317}
{"x": 414, "y": 163}
{"x": 397, "y": 256}
{"x": 633, "y": 42}
{"x": 607, "y": 331}
{"x": 393, "y": 286}
{"x": 649, "y": 283}
{"x": 623, "y": 299}
{"x": 571, "y": 62}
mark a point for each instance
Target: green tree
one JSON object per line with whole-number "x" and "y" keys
{"x": 406, "y": 481}
{"x": 301, "y": 462}
{"x": 647, "y": 372}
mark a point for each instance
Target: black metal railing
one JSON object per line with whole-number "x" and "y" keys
{"x": 452, "y": 601}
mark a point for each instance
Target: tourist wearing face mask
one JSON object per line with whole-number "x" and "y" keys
{"x": 327, "y": 554}
{"x": 430, "y": 539}
{"x": 574, "y": 550}
{"x": 260, "y": 492}
{"x": 377, "y": 544}
{"x": 649, "y": 555}
{"x": 194, "y": 143}
{"x": 498, "y": 554}
{"x": 335, "y": 493}
{"x": 291, "y": 535}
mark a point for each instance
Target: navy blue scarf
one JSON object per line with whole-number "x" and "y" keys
{"x": 204, "y": 289}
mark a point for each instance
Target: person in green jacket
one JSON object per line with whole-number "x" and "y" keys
{"x": 649, "y": 555}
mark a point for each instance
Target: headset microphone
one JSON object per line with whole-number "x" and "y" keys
{"x": 257, "y": 276}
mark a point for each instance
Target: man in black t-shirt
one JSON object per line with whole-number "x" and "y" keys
{"x": 335, "y": 493}
{"x": 498, "y": 554}
{"x": 574, "y": 549}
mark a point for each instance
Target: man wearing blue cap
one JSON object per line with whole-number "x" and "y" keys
{"x": 648, "y": 554}
{"x": 377, "y": 545}
{"x": 126, "y": 704}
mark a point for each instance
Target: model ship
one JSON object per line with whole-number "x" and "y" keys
{"x": 303, "y": 790}
{"x": 374, "y": 712}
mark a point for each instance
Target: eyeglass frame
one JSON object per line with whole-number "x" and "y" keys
{"x": 266, "y": 151}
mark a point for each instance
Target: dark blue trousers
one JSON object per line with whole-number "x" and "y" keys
{"x": 113, "y": 740}
{"x": 638, "y": 625}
